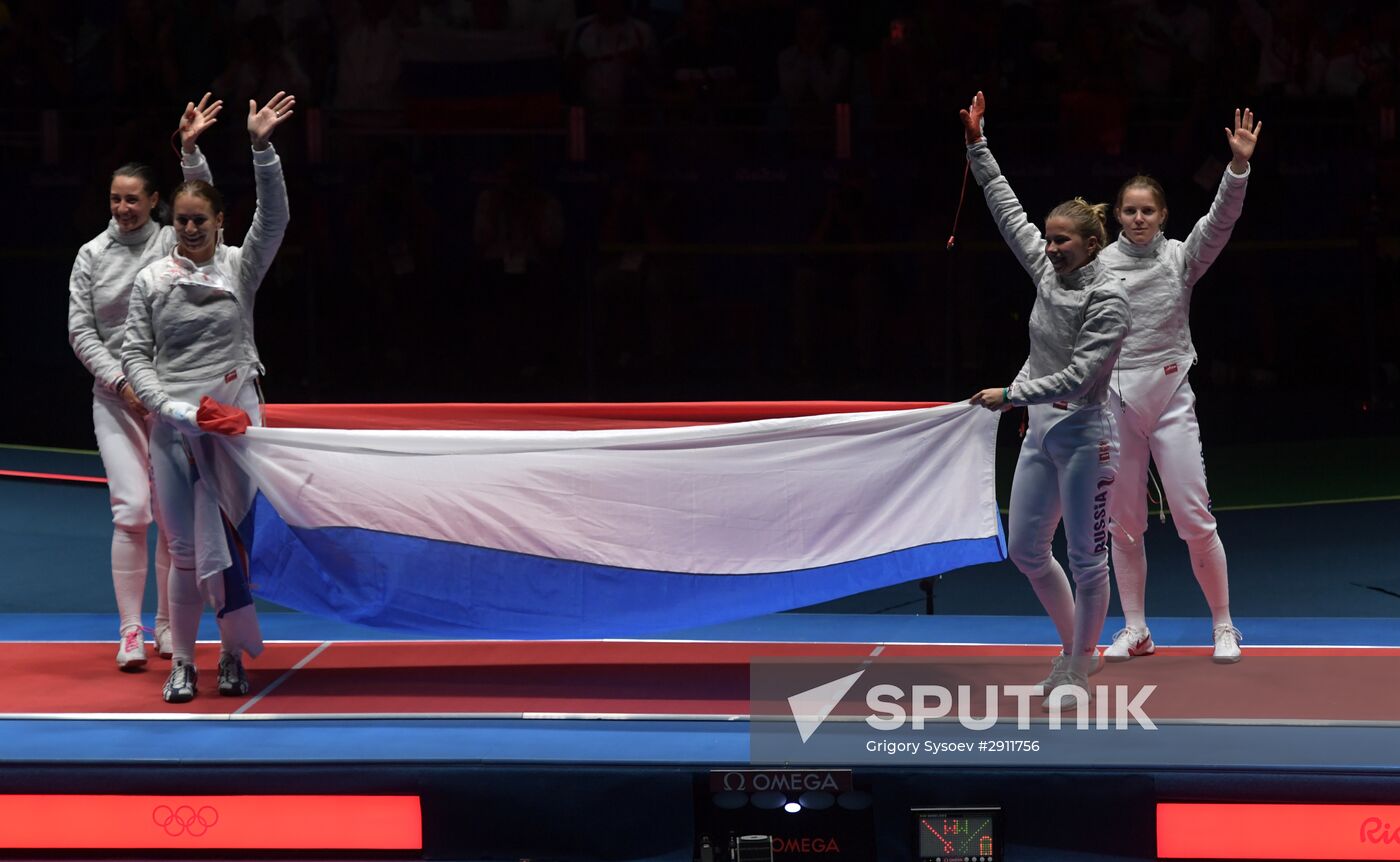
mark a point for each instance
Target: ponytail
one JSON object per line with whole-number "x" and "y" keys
{"x": 1088, "y": 219}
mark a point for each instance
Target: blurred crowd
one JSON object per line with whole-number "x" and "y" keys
{"x": 680, "y": 58}
{"x": 520, "y": 199}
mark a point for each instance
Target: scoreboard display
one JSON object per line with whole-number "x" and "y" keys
{"x": 957, "y": 834}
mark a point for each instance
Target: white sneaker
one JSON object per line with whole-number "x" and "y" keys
{"x": 1060, "y": 665}
{"x": 1068, "y": 698}
{"x": 1129, "y": 642}
{"x": 131, "y": 652}
{"x": 165, "y": 645}
{"x": 1227, "y": 644}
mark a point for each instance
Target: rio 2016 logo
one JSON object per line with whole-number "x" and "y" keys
{"x": 1375, "y": 831}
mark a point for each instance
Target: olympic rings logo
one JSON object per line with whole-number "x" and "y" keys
{"x": 185, "y": 819}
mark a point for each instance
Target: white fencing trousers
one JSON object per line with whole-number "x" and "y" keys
{"x": 189, "y": 504}
{"x": 1158, "y": 410}
{"x": 123, "y": 441}
{"x": 1067, "y": 473}
{"x": 1158, "y": 413}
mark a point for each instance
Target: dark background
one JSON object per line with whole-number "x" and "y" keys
{"x": 714, "y": 239}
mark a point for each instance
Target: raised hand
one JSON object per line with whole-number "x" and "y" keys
{"x": 1243, "y": 139}
{"x": 261, "y": 121}
{"x": 196, "y": 119}
{"x": 972, "y": 118}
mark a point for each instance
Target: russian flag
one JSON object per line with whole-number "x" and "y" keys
{"x": 585, "y": 521}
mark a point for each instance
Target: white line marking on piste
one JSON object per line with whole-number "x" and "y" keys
{"x": 283, "y": 678}
{"x": 870, "y": 659}
{"x": 878, "y": 650}
{"x": 438, "y": 717}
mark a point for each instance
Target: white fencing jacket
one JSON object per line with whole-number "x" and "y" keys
{"x": 189, "y": 323}
{"x": 99, "y": 287}
{"x": 1160, "y": 276}
{"x": 1079, "y": 320}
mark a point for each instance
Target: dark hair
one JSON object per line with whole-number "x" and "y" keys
{"x": 199, "y": 188}
{"x": 136, "y": 170}
{"x": 1142, "y": 181}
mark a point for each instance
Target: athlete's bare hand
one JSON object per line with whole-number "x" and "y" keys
{"x": 132, "y": 402}
{"x": 262, "y": 121}
{"x": 993, "y": 399}
{"x": 1243, "y": 139}
{"x": 197, "y": 119}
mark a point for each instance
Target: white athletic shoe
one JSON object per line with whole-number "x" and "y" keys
{"x": 1061, "y": 665}
{"x": 131, "y": 652}
{"x": 165, "y": 645}
{"x": 1129, "y": 642}
{"x": 1069, "y": 699}
{"x": 1227, "y": 644}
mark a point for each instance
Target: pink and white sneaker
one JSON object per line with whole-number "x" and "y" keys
{"x": 131, "y": 652}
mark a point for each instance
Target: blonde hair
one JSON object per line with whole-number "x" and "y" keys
{"x": 1089, "y": 220}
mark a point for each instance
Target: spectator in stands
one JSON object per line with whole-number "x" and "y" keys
{"x": 1285, "y": 34}
{"x": 1171, "y": 42}
{"x": 814, "y": 75}
{"x": 143, "y": 65}
{"x": 370, "y": 60}
{"x": 393, "y": 261}
{"x": 701, "y": 68}
{"x": 259, "y": 58}
{"x": 552, "y": 19}
{"x": 836, "y": 309}
{"x": 518, "y": 231}
{"x": 631, "y": 289}
{"x": 611, "y": 61}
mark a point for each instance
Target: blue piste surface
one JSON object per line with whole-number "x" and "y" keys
{"x": 791, "y": 627}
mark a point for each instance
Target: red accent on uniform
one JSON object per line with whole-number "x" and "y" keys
{"x": 231, "y": 376}
{"x": 1170, "y": 369}
{"x": 219, "y": 418}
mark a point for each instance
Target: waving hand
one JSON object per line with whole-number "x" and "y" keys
{"x": 197, "y": 119}
{"x": 1243, "y": 139}
{"x": 262, "y": 121}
